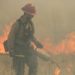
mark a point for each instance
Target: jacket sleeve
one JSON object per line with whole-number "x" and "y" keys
{"x": 37, "y": 43}
{"x": 11, "y": 36}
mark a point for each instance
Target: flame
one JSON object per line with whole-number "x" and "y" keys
{"x": 65, "y": 46}
{"x": 70, "y": 73}
{"x": 57, "y": 71}
{"x": 4, "y": 37}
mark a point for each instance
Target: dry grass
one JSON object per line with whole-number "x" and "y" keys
{"x": 44, "y": 68}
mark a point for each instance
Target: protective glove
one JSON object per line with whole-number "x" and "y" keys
{"x": 39, "y": 45}
{"x": 11, "y": 53}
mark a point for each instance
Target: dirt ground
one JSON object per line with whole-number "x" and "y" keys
{"x": 65, "y": 61}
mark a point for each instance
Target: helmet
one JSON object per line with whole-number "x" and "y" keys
{"x": 29, "y": 9}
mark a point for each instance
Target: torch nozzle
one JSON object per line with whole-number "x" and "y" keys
{"x": 50, "y": 59}
{"x": 55, "y": 63}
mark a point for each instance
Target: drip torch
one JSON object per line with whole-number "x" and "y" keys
{"x": 45, "y": 56}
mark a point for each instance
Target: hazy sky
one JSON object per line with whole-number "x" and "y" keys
{"x": 54, "y": 19}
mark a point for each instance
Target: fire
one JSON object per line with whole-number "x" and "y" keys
{"x": 66, "y": 46}
{"x": 70, "y": 73}
{"x": 57, "y": 71}
{"x": 4, "y": 37}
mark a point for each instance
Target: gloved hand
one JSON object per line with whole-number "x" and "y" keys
{"x": 11, "y": 53}
{"x": 39, "y": 45}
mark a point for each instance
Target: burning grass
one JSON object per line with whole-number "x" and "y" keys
{"x": 67, "y": 46}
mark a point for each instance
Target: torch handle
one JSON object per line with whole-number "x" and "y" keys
{"x": 46, "y": 50}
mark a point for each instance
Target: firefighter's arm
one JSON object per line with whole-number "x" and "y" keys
{"x": 37, "y": 43}
{"x": 11, "y": 37}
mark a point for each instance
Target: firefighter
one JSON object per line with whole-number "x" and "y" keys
{"x": 20, "y": 41}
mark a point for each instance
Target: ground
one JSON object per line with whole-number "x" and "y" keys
{"x": 65, "y": 61}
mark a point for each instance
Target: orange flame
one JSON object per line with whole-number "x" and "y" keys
{"x": 57, "y": 71}
{"x": 66, "y": 46}
{"x": 70, "y": 73}
{"x": 4, "y": 37}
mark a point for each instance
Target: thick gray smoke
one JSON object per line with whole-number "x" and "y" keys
{"x": 54, "y": 19}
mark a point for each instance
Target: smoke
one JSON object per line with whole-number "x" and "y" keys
{"x": 54, "y": 19}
